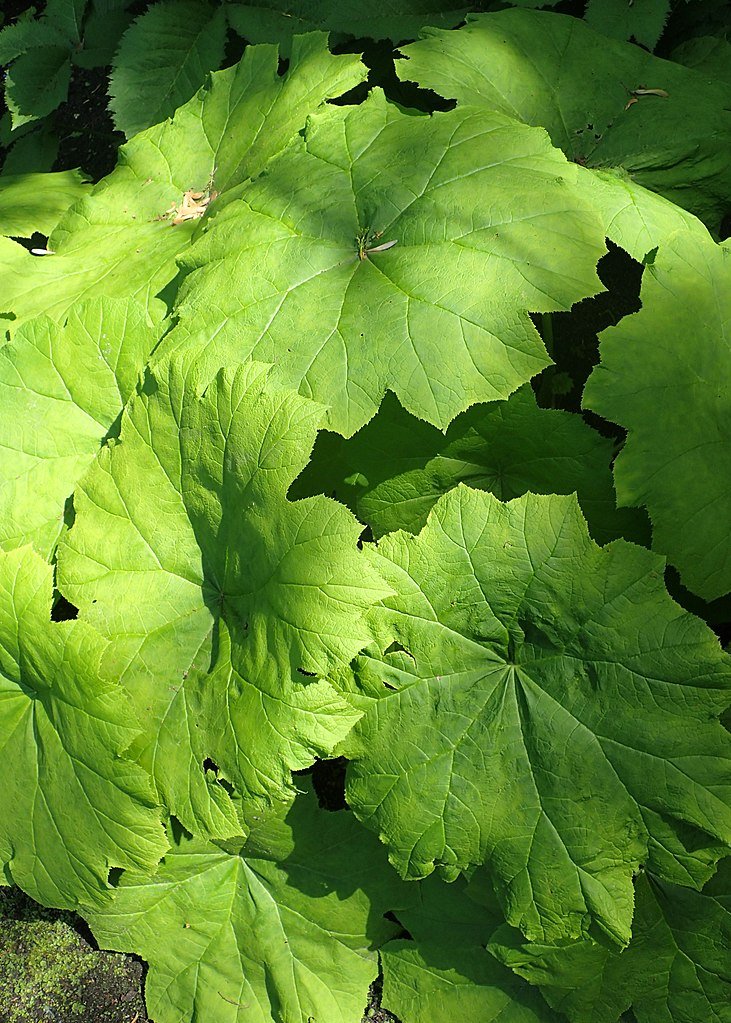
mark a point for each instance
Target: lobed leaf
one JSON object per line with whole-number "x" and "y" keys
{"x": 119, "y": 241}
{"x": 62, "y": 386}
{"x": 284, "y": 927}
{"x": 72, "y": 804}
{"x": 385, "y": 250}
{"x": 218, "y": 594}
{"x": 396, "y": 468}
{"x": 675, "y": 969}
{"x": 556, "y": 704}
{"x": 664, "y": 377}
{"x": 635, "y": 218}
{"x": 445, "y": 973}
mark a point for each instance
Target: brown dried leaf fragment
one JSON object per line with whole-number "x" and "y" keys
{"x": 192, "y": 206}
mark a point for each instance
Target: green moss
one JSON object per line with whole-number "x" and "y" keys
{"x": 42, "y": 959}
{"x": 49, "y": 971}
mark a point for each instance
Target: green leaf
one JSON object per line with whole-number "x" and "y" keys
{"x": 284, "y": 928}
{"x": 642, "y": 21}
{"x": 71, "y": 805}
{"x": 675, "y": 970}
{"x": 711, "y": 55}
{"x": 67, "y": 16}
{"x": 635, "y": 218}
{"x": 37, "y": 83}
{"x": 35, "y": 202}
{"x": 163, "y": 58}
{"x": 62, "y": 386}
{"x": 118, "y": 241}
{"x": 104, "y": 26}
{"x": 396, "y": 468}
{"x": 673, "y": 398}
{"x": 444, "y": 973}
{"x": 555, "y": 696}
{"x": 553, "y": 70}
{"x": 237, "y": 592}
{"x": 463, "y": 222}
{"x": 25, "y": 35}
{"x": 272, "y": 21}
{"x": 34, "y": 152}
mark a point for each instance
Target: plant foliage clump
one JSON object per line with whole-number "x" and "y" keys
{"x": 324, "y": 450}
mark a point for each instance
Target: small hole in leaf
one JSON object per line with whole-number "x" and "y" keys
{"x": 63, "y": 610}
{"x": 282, "y": 66}
{"x": 328, "y": 781}
{"x": 149, "y": 384}
{"x": 650, "y": 257}
{"x": 114, "y": 876}
{"x": 69, "y": 512}
{"x": 210, "y": 765}
{"x": 397, "y": 648}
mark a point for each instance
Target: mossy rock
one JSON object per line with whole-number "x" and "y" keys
{"x": 51, "y": 972}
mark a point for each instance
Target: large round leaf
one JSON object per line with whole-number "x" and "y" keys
{"x": 72, "y": 804}
{"x": 218, "y": 593}
{"x": 543, "y": 702}
{"x": 587, "y": 91}
{"x": 284, "y": 928}
{"x": 664, "y": 376}
{"x": 390, "y": 251}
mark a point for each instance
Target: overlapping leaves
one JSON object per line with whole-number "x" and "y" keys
{"x": 118, "y": 241}
{"x": 664, "y": 376}
{"x": 384, "y": 250}
{"x": 73, "y": 804}
{"x": 519, "y": 705}
{"x": 444, "y": 972}
{"x": 283, "y": 927}
{"x": 395, "y": 469}
{"x": 676, "y": 967}
{"x": 62, "y": 387}
{"x": 218, "y": 593}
